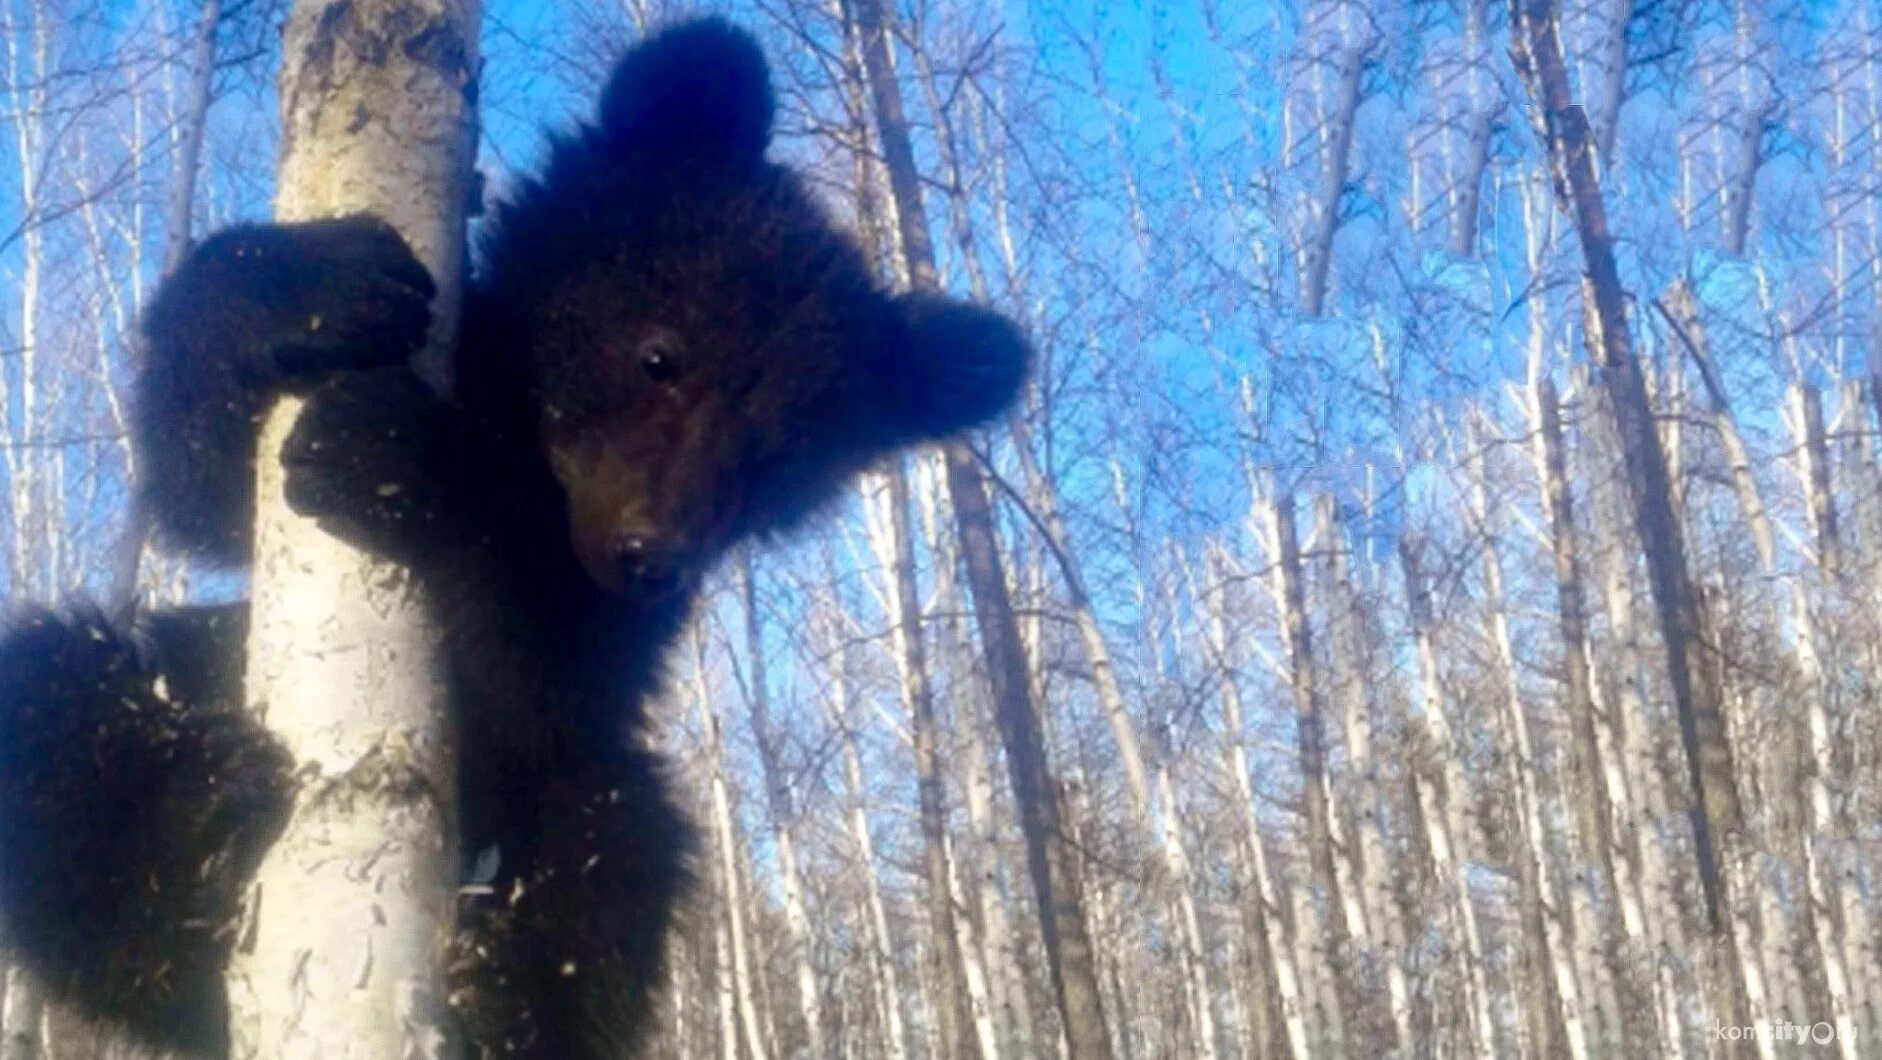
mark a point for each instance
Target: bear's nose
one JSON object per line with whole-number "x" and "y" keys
{"x": 639, "y": 559}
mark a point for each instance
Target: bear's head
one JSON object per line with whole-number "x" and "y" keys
{"x": 705, "y": 356}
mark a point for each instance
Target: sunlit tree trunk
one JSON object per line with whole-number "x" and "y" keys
{"x": 351, "y": 901}
{"x": 1335, "y": 162}
{"x": 1157, "y": 814}
{"x": 783, "y": 812}
{"x": 1607, "y": 813}
{"x": 179, "y": 213}
{"x": 1446, "y": 823}
{"x": 1372, "y": 874}
{"x": 1550, "y": 968}
{"x": 1823, "y": 836}
{"x": 1261, "y": 906}
{"x": 895, "y": 550}
{"x": 726, "y": 843}
{"x": 983, "y": 853}
{"x": 884, "y": 978}
{"x": 1680, "y": 309}
{"x": 33, "y": 504}
{"x": 1310, "y": 744}
{"x": 1536, "y": 49}
{"x": 1484, "y": 110}
{"x": 1054, "y": 863}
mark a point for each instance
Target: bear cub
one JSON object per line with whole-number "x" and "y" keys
{"x": 669, "y": 350}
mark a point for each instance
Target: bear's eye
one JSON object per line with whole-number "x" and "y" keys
{"x": 660, "y": 357}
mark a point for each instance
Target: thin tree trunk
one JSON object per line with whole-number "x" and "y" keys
{"x": 1156, "y": 816}
{"x": 1373, "y": 868}
{"x": 1680, "y": 309}
{"x": 1484, "y": 114}
{"x": 887, "y": 989}
{"x": 783, "y": 811}
{"x": 1536, "y": 49}
{"x": 1445, "y": 822}
{"x": 33, "y": 508}
{"x": 1822, "y": 831}
{"x": 1607, "y": 125}
{"x": 1310, "y": 743}
{"x": 1748, "y": 150}
{"x": 725, "y": 848}
{"x": 1549, "y": 967}
{"x": 1634, "y": 778}
{"x": 354, "y": 896}
{"x": 1335, "y": 161}
{"x": 1605, "y": 816}
{"x": 911, "y": 664}
{"x": 1054, "y": 863}
{"x": 179, "y": 211}
{"x": 23, "y": 1017}
{"x": 725, "y": 989}
{"x": 1007, "y": 987}
{"x": 1262, "y": 907}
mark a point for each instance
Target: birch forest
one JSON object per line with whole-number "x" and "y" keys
{"x": 1426, "y": 606}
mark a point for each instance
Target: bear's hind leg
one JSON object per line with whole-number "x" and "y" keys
{"x": 564, "y": 963}
{"x": 130, "y": 821}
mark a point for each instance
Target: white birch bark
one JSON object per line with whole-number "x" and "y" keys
{"x": 1445, "y": 822}
{"x": 1275, "y": 520}
{"x": 886, "y": 990}
{"x": 1335, "y": 160}
{"x": 781, "y": 805}
{"x": 351, "y": 901}
{"x": 725, "y": 848}
{"x": 30, "y": 508}
{"x": 1607, "y": 738}
{"x": 982, "y": 854}
{"x": 23, "y": 1018}
{"x": 1543, "y": 920}
{"x": 1253, "y": 867}
{"x": 1373, "y": 869}
{"x": 1823, "y": 882}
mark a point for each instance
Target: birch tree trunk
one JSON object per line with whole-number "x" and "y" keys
{"x": 1053, "y": 861}
{"x": 1606, "y": 815}
{"x": 33, "y": 507}
{"x": 881, "y": 946}
{"x": 1680, "y": 309}
{"x": 1157, "y": 816}
{"x": 1536, "y": 49}
{"x": 179, "y": 212}
{"x": 350, "y": 904}
{"x": 895, "y": 547}
{"x": 1641, "y": 799}
{"x": 1007, "y": 988}
{"x": 1446, "y": 823}
{"x": 22, "y": 1018}
{"x": 1822, "y": 831}
{"x": 1335, "y": 161}
{"x": 1261, "y": 905}
{"x": 1311, "y": 746}
{"x": 1550, "y": 970}
{"x": 725, "y": 849}
{"x": 783, "y": 811}
{"x": 1350, "y": 674}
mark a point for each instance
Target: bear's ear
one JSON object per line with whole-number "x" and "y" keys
{"x": 698, "y": 88}
{"x": 956, "y": 365}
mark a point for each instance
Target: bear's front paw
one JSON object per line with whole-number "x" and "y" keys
{"x": 371, "y": 459}
{"x": 362, "y": 301}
